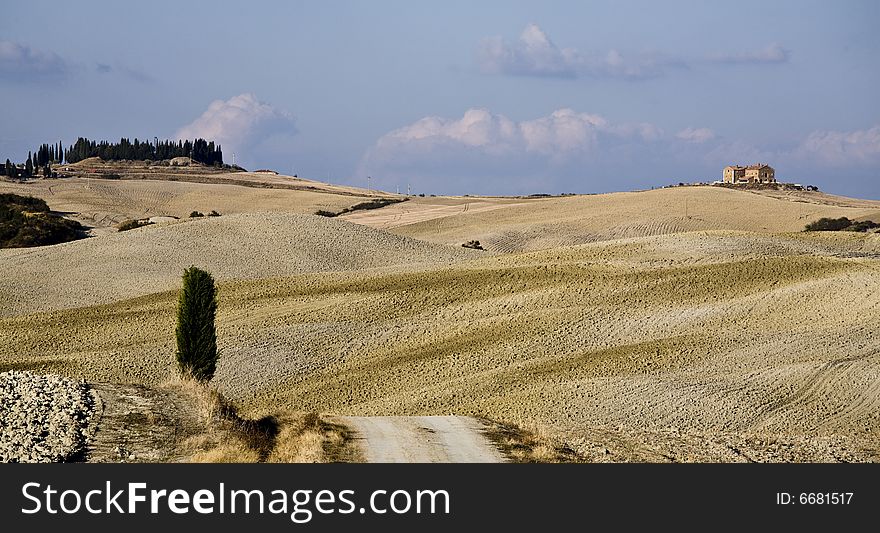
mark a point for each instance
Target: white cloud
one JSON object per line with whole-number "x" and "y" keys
{"x": 20, "y": 63}
{"x": 487, "y": 153}
{"x": 772, "y": 53}
{"x": 839, "y": 148}
{"x": 534, "y": 54}
{"x": 483, "y": 152}
{"x": 696, "y": 135}
{"x": 243, "y": 125}
{"x": 563, "y": 131}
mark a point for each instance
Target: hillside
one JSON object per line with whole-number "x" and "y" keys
{"x": 104, "y": 203}
{"x": 723, "y": 336}
{"x": 523, "y": 224}
{"x": 246, "y": 246}
{"x": 180, "y": 169}
{"x": 652, "y": 342}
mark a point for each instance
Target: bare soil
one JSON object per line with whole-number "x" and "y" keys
{"x": 138, "y": 424}
{"x": 422, "y": 439}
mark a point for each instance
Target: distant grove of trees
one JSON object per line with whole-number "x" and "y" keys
{"x": 200, "y": 150}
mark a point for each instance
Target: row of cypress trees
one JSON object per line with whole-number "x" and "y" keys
{"x": 29, "y": 170}
{"x": 200, "y": 150}
{"x": 206, "y": 152}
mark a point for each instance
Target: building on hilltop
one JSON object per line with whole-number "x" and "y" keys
{"x": 759, "y": 173}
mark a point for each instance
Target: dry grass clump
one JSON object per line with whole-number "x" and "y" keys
{"x": 224, "y": 436}
{"x": 288, "y": 437}
{"x": 307, "y": 438}
{"x": 533, "y": 445}
{"x": 131, "y": 223}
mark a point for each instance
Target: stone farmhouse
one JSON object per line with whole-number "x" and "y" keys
{"x": 759, "y": 173}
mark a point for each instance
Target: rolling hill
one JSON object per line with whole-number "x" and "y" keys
{"x": 677, "y": 324}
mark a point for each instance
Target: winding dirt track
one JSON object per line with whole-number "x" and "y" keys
{"x": 422, "y": 439}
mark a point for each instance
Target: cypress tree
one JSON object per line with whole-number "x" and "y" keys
{"x": 196, "y": 335}
{"x": 28, "y": 166}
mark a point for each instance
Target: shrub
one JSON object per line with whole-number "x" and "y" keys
{"x": 213, "y": 214}
{"x": 829, "y": 224}
{"x": 473, "y": 244}
{"x": 126, "y": 225}
{"x": 196, "y": 335}
{"x": 375, "y": 203}
{"x": 27, "y": 222}
{"x": 863, "y": 226}
{"x": 325, "y": 213}
{"x": 195, "y": 214}
{"x": 23, "y": 203}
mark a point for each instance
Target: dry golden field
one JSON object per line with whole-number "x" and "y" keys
{"x": 103, "y": 203}
{"x": 524, "y": 224}
{"x": 686, "y": 324}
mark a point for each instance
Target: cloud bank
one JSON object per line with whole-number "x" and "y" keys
{"x": 533, "y": 53}
{"x": 243, "y": 125}
{"x": 773, "y": 53}
{"x": 487, "y": 153}
{"x": 568, "y": 151}
{"x": 21, "y": 63}
{"x": 696, "y": 135}
{"x": 842, "y": 148}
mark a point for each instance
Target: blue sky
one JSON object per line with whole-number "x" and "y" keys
{"x": 462, "y": 97}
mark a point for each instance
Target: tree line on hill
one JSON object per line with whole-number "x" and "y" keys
{"x": 200, "y": 150}
{"x": 205, "y": 152}
{"x": 27, "y": 170}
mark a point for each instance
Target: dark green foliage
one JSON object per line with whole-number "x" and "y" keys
{"x": 199, "y": 150}
{"x": 46, "y": 154}
{"x": 372, "y": 204}
{"x": 196, "y": 334}
{"x": 829, "y": 224}
{"x": 840, "y": 224}
{"x": 126, "y": 225}
{"x": 27, "y": 222}
{"x": 23, "y": 203}
{"x": 213, "y": 213}
{"x": 28, "y": 167}
{"x": 195, "y": 214}
{"x": 369, "y": 204}
{"x": 863, "y": 226}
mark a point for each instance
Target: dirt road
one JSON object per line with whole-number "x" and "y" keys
{"x": 422, "y": 439}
